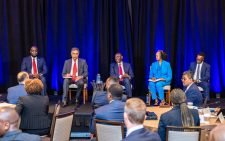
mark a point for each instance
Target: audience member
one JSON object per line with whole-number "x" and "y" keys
{"x": 134, "y": 116}
{"x": 201, "y": 72}
{"x": 160, "y": 75}
{"x": 35, "y": 66}
{"x": 74, "y": 71}
{"x": 9, "y": 127}
{"x": 33, "y": 109}
{"x": 123, "y": 71}
{"x": 191, "y": 89}
{"x": 99, "y": 98}
{"x": 218, "y": 133}
{"x": 17, "y": 91}
{"x": 180, "y": 115}
{"x": 112, "y": 111}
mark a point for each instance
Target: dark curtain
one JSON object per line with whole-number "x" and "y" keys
{"x": 100, "y": 28}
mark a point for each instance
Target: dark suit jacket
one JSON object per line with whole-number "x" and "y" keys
{"x": 194, "y": 95}
{"x": 15, "y": 92}
{"x": 173, "y": 118}
{"x": 82, "y": 67}
{"x": 33, "y": 110}
{"x": 142, "y": 135}
{"x": 27, "y": 65}
{"x": 114, "y": 70}
{"x": 205, "y": 71}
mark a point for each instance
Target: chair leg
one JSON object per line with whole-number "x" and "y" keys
{"x": 69, "y": 95}
{"x": 84, "y": 96}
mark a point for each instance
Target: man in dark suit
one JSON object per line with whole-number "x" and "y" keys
{"x": 134, "y": 116}
{"x": 112, "y": 111}
{"x": 17, "y": 91}
{"x": 123, "y": 71}
{"x": 35, "y": 66}
{"x": 99, "y": 98}
{"x": 75, "y": 70}
{"x": 191, "y": 89}
{"x": 201, "y": 73}
{"x": 9, "y": 127}
{"x": 180, "y": 115}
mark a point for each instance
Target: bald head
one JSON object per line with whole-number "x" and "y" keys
{"x": 218, "y": 133}
{"x": 8, "y": 120}
{"x": 8, "y": 114}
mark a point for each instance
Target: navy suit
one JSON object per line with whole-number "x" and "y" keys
{"x": 173, "y": 118}
{"x": 112, "y": 111}
{"x": 41, "y": 66}
{"x": 205, "y": 77}
{"x": 142, "y": 135}
{"x": 15, "y": 92}
{"x": 82, "y": 71}
{"x": 194, "y": 95}
{"x": 114, "y": 71}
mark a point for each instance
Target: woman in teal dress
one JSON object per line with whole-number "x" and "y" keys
{"x": 160, "y": 75}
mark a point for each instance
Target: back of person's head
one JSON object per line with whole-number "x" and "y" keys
{"x": 111, "y": 80}
{"x": 8, "y": 118}
{"x": 178, "y": 98}
{"x": 162, "y": 54}
{"x": 22, "y": 76}
{"x": 135, "y": 109}
{"x": 218, "y": 133}
{"x": 116, "y": 91}
{"x": 33, "y": 86}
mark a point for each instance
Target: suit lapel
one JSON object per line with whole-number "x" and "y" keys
{"x": 116, "y": 69}
{"x": 79, "y": 66}
{"x": 203, "y": 69}
{"x": 124, "y": 67}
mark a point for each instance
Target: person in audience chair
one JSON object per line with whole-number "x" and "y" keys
{"x": 134, "y": 116}
{"x": 99, "y": 98}
{"x": 201, "y": 74}
{"x": 33, "y": 109}
{"x": 17, "y": 91}
{"x": 180, "y": 115}
{"x": 9, "y": 131}
{"x": 191, "y": 89}
{"x": 218, "y": 133}
{"x": 112, "y": 111}
{"x": 160, "y": 75}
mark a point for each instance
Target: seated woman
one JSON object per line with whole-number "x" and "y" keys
{"x": 33, "y": 109}
{"x": 180, "y": 115}
{"x": 160, "y": 75}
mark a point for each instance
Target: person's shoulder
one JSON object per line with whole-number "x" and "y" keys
{"x": 166, "y": 62}
{"x": 206, "y": 64}
{"x": 26, "y": 58}
{"x": 26, "y": 136}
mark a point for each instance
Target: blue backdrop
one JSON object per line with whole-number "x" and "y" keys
{"x": 100, "y": 28}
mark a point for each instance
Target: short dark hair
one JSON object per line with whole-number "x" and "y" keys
{"x": 189, "y": 74}
{"x": 116, "y": 91}
{"x": 75, "y": 48}
{"x": 201, "y": 54}
{"x": 162, "y": 54}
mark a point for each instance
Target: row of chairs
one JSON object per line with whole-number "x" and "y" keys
{"x": 114, "y": 131}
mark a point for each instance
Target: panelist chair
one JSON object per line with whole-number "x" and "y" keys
{"x": 73, "y": 88}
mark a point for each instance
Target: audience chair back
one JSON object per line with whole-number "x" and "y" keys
{"x": 55, "y": 113}
{"x": 62, "y": 127}
{"x": 109, "y": 130}
{"x": 174, "y": 133}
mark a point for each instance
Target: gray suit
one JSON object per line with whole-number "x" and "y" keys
{"x": 82, "y": 71}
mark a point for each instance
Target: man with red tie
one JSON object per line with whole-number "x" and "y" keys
{"x": 123, "y": 71}
{"x": 35, "y": 66}
{"x": 74, "y": 71}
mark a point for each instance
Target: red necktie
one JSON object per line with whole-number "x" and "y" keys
{"x": 120, "y": 70}
{"x": 34, "y": 66}
{"x": 74, "y": 70}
